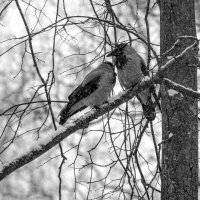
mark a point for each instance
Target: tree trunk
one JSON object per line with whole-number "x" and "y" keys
{"x": 179, "y": 112}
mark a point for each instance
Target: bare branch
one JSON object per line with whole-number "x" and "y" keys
{"x": 94, "y": 114}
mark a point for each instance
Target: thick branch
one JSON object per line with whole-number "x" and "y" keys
{"x": 180, "y": 88}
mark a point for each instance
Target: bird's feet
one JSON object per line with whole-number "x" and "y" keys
{"x": 149, "y": 112}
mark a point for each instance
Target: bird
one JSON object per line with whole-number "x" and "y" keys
{"x": 131, "y": 70}
{"x": 93, "y": 91}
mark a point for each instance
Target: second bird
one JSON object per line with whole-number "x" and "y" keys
{"x": 131, "y": 69}
{"x": 93, "y": 91}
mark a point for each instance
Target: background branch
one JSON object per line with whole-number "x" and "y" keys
{"x": 83, "y": 122}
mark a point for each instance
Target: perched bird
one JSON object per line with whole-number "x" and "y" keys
{"x": 131, "y": 69}
{"x": 93, "y": 91}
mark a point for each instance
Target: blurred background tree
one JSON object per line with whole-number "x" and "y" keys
{"x": 47, "y": 47}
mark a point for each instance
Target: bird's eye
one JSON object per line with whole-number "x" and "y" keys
{"x": 121, "y": 46}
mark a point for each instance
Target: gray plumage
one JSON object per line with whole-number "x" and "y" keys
{"x": 131, "y": 69}
{"x": 93, "y": 91}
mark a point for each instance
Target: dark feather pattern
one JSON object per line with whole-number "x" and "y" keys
{"x": 64, "y": 116}
{"x": 83, "y": 91}
{"x": 78, "y": 94}
{"x": 121, "y": 61}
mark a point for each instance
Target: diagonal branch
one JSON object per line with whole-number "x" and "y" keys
{"x": 63, "y": 132}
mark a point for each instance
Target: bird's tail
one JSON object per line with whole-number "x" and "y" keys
{"x": 70, "y": 110}
{"x": 147, "y": 104}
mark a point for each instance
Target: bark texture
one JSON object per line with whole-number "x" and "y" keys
{"x": 179, "y": 112}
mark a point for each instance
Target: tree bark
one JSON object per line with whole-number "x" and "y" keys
{"x": 179, "y": 174}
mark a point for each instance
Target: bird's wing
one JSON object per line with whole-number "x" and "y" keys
{"x": 92, "y": 76}
{"x": 85, "y": 89}
{"x": 76, "y": 96}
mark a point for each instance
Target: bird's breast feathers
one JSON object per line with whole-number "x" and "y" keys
{"x": 130, "y": 75}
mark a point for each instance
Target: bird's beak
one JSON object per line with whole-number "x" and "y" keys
{"x": 112, "y": 53}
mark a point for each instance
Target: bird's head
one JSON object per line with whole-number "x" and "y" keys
{"x": 118, "y": 50}
{"x": 109, "y": 63}
{"x": 108, "y": 66}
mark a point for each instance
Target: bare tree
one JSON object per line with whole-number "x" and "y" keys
{"x": 112, "y": 152}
